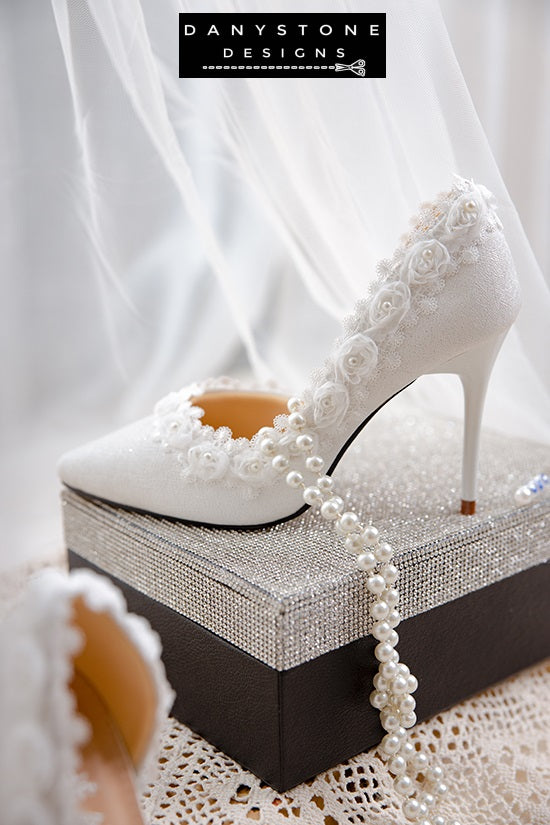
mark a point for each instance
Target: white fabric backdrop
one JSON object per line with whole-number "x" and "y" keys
{"x": 155, "y": 231}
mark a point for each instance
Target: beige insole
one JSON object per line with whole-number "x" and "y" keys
{"x": 243, "y": 411}
{"x": 116, "y": 668}
{"x": 105, "y": 761}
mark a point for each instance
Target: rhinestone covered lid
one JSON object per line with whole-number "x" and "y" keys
{"x": 288, "y": 593}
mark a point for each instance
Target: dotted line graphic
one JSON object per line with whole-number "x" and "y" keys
{"x": 267, "y": 68}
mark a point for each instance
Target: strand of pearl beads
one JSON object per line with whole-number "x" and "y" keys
{"x": 419, "y": 785}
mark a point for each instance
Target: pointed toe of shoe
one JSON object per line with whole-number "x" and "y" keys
{"x": 129, "y": 468}
{"x": 120, "y": 467}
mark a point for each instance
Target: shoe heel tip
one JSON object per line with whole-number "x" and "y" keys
{"x": 468, "y": 508}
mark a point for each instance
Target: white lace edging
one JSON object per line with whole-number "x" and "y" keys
{"x": 445, "y": 235}
{"x": 100, "y": 595}
{"x": 40, "y": 772}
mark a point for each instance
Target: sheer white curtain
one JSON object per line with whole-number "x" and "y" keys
{"x": 158, "y": 230}
{"x": 502, "y": 48}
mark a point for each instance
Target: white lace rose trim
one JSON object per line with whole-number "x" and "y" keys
{"x": 206, "y": 453}
{"x": 445, "y": 235}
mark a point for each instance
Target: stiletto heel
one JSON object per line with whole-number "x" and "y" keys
{"x": 223, "y": 455}
{"x": 474, "y": 369}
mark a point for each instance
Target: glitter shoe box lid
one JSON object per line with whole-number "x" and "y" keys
{"x": 289, "y": 593}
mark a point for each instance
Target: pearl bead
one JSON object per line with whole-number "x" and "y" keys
{"x": 393, "y": 617}
{"x": 280, "y": 463}
{"x": 399, "y": 685}
{"x": 325, "y": 484}
{"x": 395, "y": 657}
{"x": 312, "y": 496}
{"x": 388, "y": 670}
{"x": 296, "y": 421}
{"x": 470, "y": 206}
{"x": 376, "y": 584}
{"x": 370, "y": 534}
{"x": 294, "y": 478}
{"x": 389, "y": 744}
{"x": 422, "y": 810}
{"x": 354, "y": 543}
{"x": 332, "y": 508}
{"x": 434, "y": 774}
{"x": 427, "y": 799}
{"x": 383, "y": 651}
{"x": 267, "y": 446}
{"x": 411, "y": 808}
{"x": 348, "y": 522}
{"x": 292, "y": 448}
{"x": 438, "y": 820}
{"x": 294, "y": 404}
{"x": 392, "y": 597}
{"x": 381, "y": 631}
{"x": 407, "y": 704}
{"x": 404, "y": 785}
{"x": 404, "y": 670}
{"x": 397, "y": 765}
{"x": 420, "y": 762}
{"x": 393, "y": 638}
{"x": 412, "y": 683}
{"x": 304, "y": 442}
{"x": 366, "y": 561}
{"x": 315, "y": 463}
{"x": 408, "y": 720}
{"x": 379, "y": 610}
{"x": 440, "y": 788}
{"x": 379, "y": 699}
{"x": 379, "y": 682}
{"x": 389, "y": 721}
{"x": 384, "y": 553}
{"x": 402, "y": 733}
{"x": 407, "y": 750}
{"x": 390, "y": 573}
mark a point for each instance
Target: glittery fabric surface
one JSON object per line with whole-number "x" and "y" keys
{"x": 289, "y": 593}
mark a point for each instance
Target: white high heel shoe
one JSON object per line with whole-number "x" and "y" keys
{"x": 83, "y": 696}
{"x": 221, "y": 455}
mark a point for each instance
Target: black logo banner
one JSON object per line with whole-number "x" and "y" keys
{"x": 282, "y": 45}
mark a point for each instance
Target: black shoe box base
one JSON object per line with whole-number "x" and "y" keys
{"x": 287, "y": 726}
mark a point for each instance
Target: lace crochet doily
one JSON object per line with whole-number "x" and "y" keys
{"x": 494, "y": 749}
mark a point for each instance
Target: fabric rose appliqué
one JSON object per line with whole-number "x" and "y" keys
{"x": 207, "y": 461}
{"x": 388, "y": 308}
{"x": 356, "y": 358}
{"x": 425, "y": 262}
{"x": 250, "y": 466}
{"x": 176, "y": 424}
{"x": 464, "y": 213}
{"x": 330, "y": 403}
